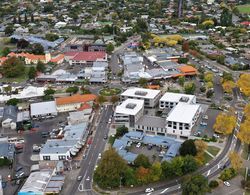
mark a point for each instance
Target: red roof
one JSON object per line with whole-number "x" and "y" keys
{"x": 87, "y": 56}
{"x": 246, "y": 23}
{"x": 84, "y": 107}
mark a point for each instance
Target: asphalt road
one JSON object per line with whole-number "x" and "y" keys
{"x": 97, "y": 146}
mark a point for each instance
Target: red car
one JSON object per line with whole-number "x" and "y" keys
{"x": 19, "y": 146}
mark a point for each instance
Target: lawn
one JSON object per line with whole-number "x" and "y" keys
{"x": 244, "y": 9}
{"x": 110, "y": 91}
{"x": 213, "y": 150}
{"x": 207, "y": 158}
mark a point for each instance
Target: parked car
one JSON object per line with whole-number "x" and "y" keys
{"x": 19, "y": 168}
{"x": 205, "y": 117}
{"x": 226, "y": 183}
{"x": 36, "y": 148}
{"x": 79, "y": 178}
{"x": 138, "y": 145}
{"x": 99, "y": 156}
{"x": 19, "y": 174}
{"x": 148, "y": 190}
{"x": 105, "y": 136}
{"x": 45, "y": 134}
{"x": 203, "y": 124}
{"x": 149, "y": 147}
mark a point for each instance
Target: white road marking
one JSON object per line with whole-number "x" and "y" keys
{"x": 208, "y": 172}
{"x": 149, "y": 193}
{"x": 164, "y": 191}
{"x": 218, "y": 166}
{"x": 80, "y": 187}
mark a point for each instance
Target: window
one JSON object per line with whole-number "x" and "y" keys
{"x": 174, "y": 127}
{"x": 46, "y": 157}
{"x": 174, "y": 123}
{"x": 180, "y": 128}
{"x": 62, "y": 157}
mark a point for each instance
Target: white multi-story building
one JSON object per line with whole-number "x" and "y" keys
{"x": 181, "y": 119}
{"x": 170, "y": 100}
{"x": 129, "y": 112}
{"x": 151, "y": 97}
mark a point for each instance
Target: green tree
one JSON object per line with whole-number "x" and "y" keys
{"x": 25, "y": 18}
{"x": 37, "y": 49}
{"x": 72, "y": 90}
{"x": 188, "y": 148}
{"x": 189, "y": 88}
{"x": 213, "y": 184}
{"x": 5, "y": 51}
{"x": 189, "y": 164}
{"x": 9, "y": 30}
{"x": 40, "y": 67}
{"x": 143, "y": 82}
{"x": 226, "y": 17}
{"x": 227, "y": 174}
{"x": 129, "y": 177}
{"x": 110, "y": 48}
{"x": 176, "y": 165}
{"x": 182, "y": 60}
{"x": 156, "y": 172}
{"x": 51, "y": 37}
{"x": 167, "y": 169}
{"x": 49, "y": 91}
{"x": 181, "y": 80}
{"x": 195, "y": 184}
{"x": 142, "y": 161}
{"x": 110, "y": 170}
{"x": 12, "y": 102}
{"x": 32, "y": 72}
{"x": 13, "y": 67}
{"x": 85, "y": 91}
{"x": 120, "y": 131}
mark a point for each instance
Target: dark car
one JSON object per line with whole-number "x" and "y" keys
{"x": 19, "y": 168}
{"x": 45, "y": 134}
{"x": 105, "y": 136}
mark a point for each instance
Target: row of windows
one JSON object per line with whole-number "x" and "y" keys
{"x": 62, "y": 157}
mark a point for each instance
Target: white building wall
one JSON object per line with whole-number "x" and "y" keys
{"x": 55, "y": 156}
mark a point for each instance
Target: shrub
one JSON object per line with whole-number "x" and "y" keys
{"x": 213, "y": 184}
{"x": 227, "y": 174}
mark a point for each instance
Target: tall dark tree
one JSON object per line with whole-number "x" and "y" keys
{"x": 37, "y": 49}
{"x": 9, "y": 30}
{"x": 188, "y": 148}
{"x": 32, "y": 72}
{"x": 25, "y": 18}
{"x": 14, "y": 20}
{"x": 32, "y": 18}
{"x": 40, "y": 67}
{"x": 142, "y": 161}
{"x": 22, "y": 44}
{"x": 5, "y": 51}
{"x": 226, "y": 17}
{"x": 19, "y": 19}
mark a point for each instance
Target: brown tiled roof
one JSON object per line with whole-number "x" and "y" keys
{"x": 75, "y": 99}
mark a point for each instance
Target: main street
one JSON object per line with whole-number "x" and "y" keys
{"x": 96, "y": 147}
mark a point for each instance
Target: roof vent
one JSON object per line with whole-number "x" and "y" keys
{"x": 130, "y": 106}
{"x": 141, "y": 93}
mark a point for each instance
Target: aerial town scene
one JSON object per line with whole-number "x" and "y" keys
{"x": 124, "y": 97}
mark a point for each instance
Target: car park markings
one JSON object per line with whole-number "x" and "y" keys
{"x": 80, "y": 187}
{"x": 208, "y": 172}
{"x": 164, "y": 191}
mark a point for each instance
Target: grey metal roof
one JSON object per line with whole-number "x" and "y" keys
{"x": 7, "y": 150}
{"x": 151, "y": 121}
{"x": 10, "y": 112}
{"x": 1, "y": 112}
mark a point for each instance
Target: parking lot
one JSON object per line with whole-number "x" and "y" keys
{"x": 205, "y": 123}
{"x": 151, "y": 152}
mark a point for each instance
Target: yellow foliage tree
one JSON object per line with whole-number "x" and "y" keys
{"x": 244, "y": 83}
{"x": 209, "y": 85}
{"x": 247, "y": 111}
{"x": 171, "y": 42}
{"x": 201, "y": 146}
{"x": 228, "y": 86}
{"x": 236, "y": 160}
{"x": 244, "y": 134}
{"x": 224, "y": 123}
{"x": 175, "y": 37}
{"x": 209, "y": 77}
{"x": 208, "y": 23}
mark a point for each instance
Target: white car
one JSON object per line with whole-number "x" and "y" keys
{"x": 138, "y": 145}
{"x": 148, "y": 190}
{"x": 226, "y": 183}
{"x": 88, "y": 178}
{"x": 99, "y": 156}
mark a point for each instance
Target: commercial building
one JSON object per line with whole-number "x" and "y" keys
{"x": 74, "y": 102}
{"x": 151, "y": 125}
{"x": 129, "y": 112}
{"x": 151, "y": 97}
{"x": 9, "y": 119}
{"x": 43, "y": 109}
{"x": 42, "y": 182}
{"x": 85, "y": 58}
{"x": 170, "y": 100}
{"x": 181, "y": 119}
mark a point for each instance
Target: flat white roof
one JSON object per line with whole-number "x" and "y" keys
{"x": 43, "y": 108}
{"x": 141, "y": 93}
{"x": 130, "y": 107}
{"x": 175, "y": 97}
{"x": 183, "y": 113}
